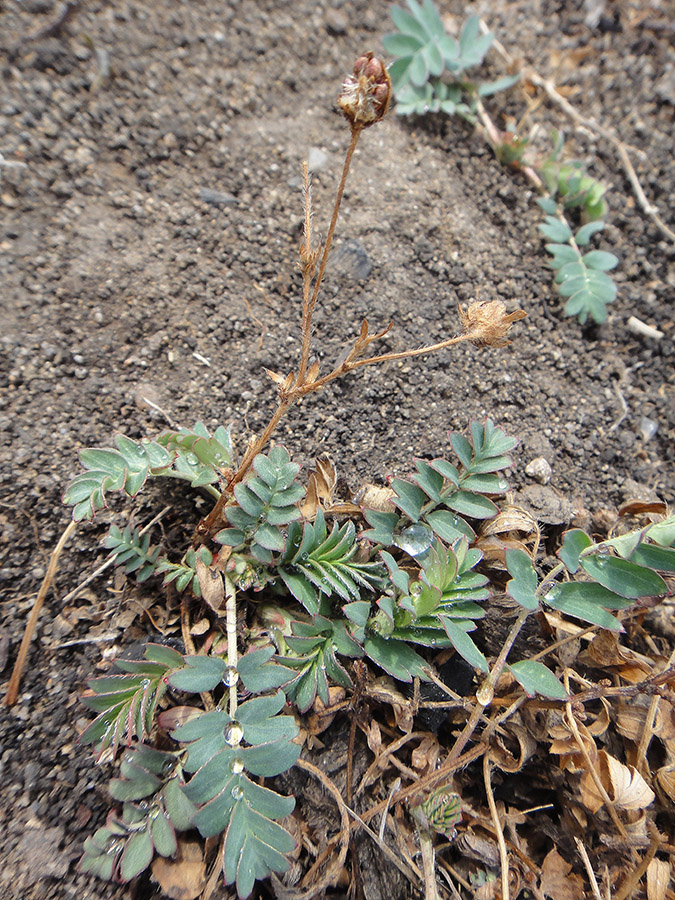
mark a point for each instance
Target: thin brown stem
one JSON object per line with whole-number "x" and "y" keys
{"x": 503, "y": 856}
{"x": 349, "y": 365}
{"x": 486, "y": 691}
{"x": 22, "y": 656}
{"x": 307, "y": 319}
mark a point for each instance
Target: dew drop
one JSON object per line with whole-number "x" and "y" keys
{"x": 237, "y": 792}
{"x": 168, "y": 766}
{"x": 192, "y": 460}
{"x": 237, "y": 766}
{"x": 231, "y": 676}
{"x": 234, "y": 734}
{"x": 415, "y": 539}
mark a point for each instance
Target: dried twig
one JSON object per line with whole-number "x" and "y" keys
{"x": 503, "y": 857}
{"x": 571, "y": 721}
{"x": 628, "y": 887}
{"x": 15, "y": 680}
{"x": 54, "y": 28}
{"x": 648, "y": 731}
{"x": 589, "y": 869}
{"x": 331, "y": 874}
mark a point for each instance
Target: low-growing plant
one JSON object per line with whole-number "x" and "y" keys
{"x": 335, "y": 587}
{"x": 429, "y": 76}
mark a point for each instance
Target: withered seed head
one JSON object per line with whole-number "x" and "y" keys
{"x": 365, "y": 93}
{"x": 489, "y": 322}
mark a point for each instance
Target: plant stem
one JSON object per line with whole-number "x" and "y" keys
{"x": 486, "y": 691}
{"x": 231, "y": 627}
{"x": 309, "y": 311}
{"x": 428, "y": 864}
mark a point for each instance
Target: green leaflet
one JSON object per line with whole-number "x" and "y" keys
{"x": 132, "y": 550}
{"x": 536, "y": 678}
{"x": 317, "y": 563}
{"x": 440, "y": 494}
{"x": 264, "y": 502}
{"x": 581, "y": 277}
{"x": 184, "y": 573}
{"x": 423, "y": 52}
{"x": 190, "y": 455}
{"x": 126, "y": 703}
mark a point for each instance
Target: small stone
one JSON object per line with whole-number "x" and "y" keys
{"x": 216, "y": 198}
{"x": 316, "y": 159}
{"x": 336, "y": 22}
{"x": 539, "y": 469}
{"x": 351, "y": 260}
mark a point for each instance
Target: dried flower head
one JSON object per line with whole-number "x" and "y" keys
{"x": 488, "y": 322}
{"x": 365, "y": 93}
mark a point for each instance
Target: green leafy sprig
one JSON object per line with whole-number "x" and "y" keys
{"x": 424, "y": 53}
{"x": 194, "y": 456}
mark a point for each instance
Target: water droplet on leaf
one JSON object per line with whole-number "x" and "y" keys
{"x": 237, "y": 792}
{"x": 231, "y": 676}
{"x": 234, "y": 734}
{"x": 237, "y": 766}
{"x": 415, "y": 539}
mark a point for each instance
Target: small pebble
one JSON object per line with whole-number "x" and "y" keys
{"x": 539, "y": 469}
{"x": 216, "y": 198}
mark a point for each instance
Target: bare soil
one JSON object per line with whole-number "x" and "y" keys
{"x": 148, "y": 252}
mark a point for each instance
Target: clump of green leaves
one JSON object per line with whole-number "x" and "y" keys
{"x": 389, "y": 587}
{"x": 194, "y": 456}
{"x": 429, "y": 69}
{"x": 393, "y": 593}
{"x": 429, "y": 76}
{"x": 580, "y": 275}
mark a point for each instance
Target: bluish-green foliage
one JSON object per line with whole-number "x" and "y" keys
{"x": 428, "y": 73}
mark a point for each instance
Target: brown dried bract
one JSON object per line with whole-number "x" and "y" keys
{"x": 364, "y": 98}
{"x": 488, "y": 322}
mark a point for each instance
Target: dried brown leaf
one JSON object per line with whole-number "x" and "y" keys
{"x": 604, "y": 651}
{"x": 641, "y": 507}
{"x": 382, "y": 690}
{"x": 321, "y": 716}
{"x": 513, "y": 528}
{"x": 504, "y": 758}
{"x": 275, "y": 376}
{"x": 658, "y": 879}
{"x": 211, "y": 585}
{"x": 624, "y": 785}
{"x": 564, "y": 744}
{"x": 184, "y": 877}
{"x": 556, "y": 880}
{"x": 321, "y": 485}
{"x": 665, "y": 777}
{"x": 481, "y": 849}
{"x": 425, "y": 756}
{"x": 375, "y": 497}
{"x": 312, "y": 372}
{"x": 200, "y": 627}
{"x": 171, "y": 718}
{"x": 374, "y": 738}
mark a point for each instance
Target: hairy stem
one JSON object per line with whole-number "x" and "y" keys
{"x": 231, "y": 627}
{"x": 309, "y": 311}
